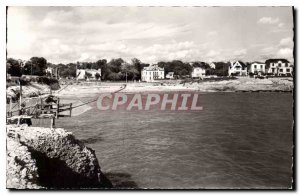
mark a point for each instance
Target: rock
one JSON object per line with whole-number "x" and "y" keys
{"x": 59, "y": 160}
{"x": 19, "y": 166}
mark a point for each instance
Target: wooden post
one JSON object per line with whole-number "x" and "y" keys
{"x": 70, "y": 109}
{"x": 10, "y": 106}
{"x": 42, "y": 109}
{"x": 57, "y": 111}
{"x": 52, "y": 122}
{"x": 20, "y": 107}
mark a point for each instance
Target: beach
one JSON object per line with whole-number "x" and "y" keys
{"x": 237, "y": 85}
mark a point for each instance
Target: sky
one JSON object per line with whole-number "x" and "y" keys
{"x": 151, "y": 34}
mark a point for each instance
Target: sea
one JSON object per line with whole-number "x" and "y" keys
{"x": 238, "y": 141}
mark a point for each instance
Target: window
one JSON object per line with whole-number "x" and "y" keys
{"x": 286, "y": 65}
{"x": 280, "y": 70}
{"x": 261, "y": 66}
{"x": 254, "y": 66}
{"x": 287, "y": 70}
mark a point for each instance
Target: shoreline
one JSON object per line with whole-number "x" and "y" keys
{"x": 241, "y": 85}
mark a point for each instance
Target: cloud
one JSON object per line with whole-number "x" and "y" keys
{"x": 286, "y": 42}
{"x": 212, "y": 33}
{"x": 280, "y": 25}
{"x": 240, "y": 52}
{"x": 69, "y": 34}
{"x": 267, "y": 50}
{"x": 268, "y": 20}
{"x": 212, "y": 53}
{"x": 285, "y": 53}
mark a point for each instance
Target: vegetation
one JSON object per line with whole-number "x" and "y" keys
{"x": 114, "y": 70}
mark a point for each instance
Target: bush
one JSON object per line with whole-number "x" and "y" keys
{"x": 46, "y": 80}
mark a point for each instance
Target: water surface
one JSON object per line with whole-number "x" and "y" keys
{"x": 239, "y": 140}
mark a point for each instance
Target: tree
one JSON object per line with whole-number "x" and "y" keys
{"x": 114, "y": 76}
{"x": 87, "y": 75}
{"x": 138, "y": 66}
{"x": 129, "y": 71}
{"x": 221, "y": 68}
{"x": 97, "y": 75}
{"x": 102, "y": 64}
{"x": 113, "y": 69}
{"x": 13, "y": 67}
{"x": 115, "y": 65}
{"x": 35, "y": 66}
{"x": 178, "y": 67}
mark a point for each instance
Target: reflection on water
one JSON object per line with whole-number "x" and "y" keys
{"x": 239, "y": 140}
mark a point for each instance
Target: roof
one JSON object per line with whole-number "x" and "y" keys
{"x": 276, "y": 60}
{"x": 200, "y": 65}
{"x": 257, "y": 62}
{"x": 153, "y": 67}
{"x": 240, "y": 62}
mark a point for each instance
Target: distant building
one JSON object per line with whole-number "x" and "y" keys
{"x": 212, "y": 65}
{"x": 170, "y": 75}
{"x": 152, "y": 73}
{"x": 257, "y": 68}
{"x": 87, "y": 74}
{"x": 198, "y": 72}
{"x": 237, "y": 68}
{"x": 49, "y": 70}
{"x": 280, "y": 67}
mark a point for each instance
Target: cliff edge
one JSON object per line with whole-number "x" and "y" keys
{"x": 50, "y": 158}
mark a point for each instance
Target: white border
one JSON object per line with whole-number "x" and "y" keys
{"x": 5, "y": 3}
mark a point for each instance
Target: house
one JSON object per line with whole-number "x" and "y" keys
{"x": 212, "y": 65}
{"x": 49, "y": 70}
{"x": 199, "y": 69}
{"x": 237, "y": 68}
{"x": 257, "y": 68}
{"x": 280, "y": 67}
{"x": 198, "y": 72}
{"x": 170, "y": 75}
{"x": 152, "y": 73}
{"x": 89, "y": 74}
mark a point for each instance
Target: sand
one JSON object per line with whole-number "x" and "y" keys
{"x": 241, "y": 84}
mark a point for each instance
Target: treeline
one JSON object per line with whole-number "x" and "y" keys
{"x": 114, "y": 70}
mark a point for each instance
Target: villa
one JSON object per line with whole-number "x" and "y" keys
{"x": 198, "y": 72}
{"x": 237, "y": 68}
{"x": 257, "y": 68}
{"x": 280, "y": 67}
{"x": 87, "y": 74}
{"x": 152, "y": 73}
{"x": 170, "y": 75}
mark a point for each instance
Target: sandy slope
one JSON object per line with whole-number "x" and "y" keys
{"x": 240, "y": 84}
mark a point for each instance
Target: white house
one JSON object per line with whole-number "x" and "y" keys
{"x": 279, "y": 67}
{"x": 50, "y": 70}
{"x": 170, "y": 75}
{"x": 212, "y": 65}
{"x": 237, "y": 68}
{"x": 152, "y": 73}
{"x": 82, "y": 74}
{"x": 257, "y": 68}
{"x": 198, "y": 72}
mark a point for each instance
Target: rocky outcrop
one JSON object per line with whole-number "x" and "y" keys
{"x": 21, "y": 169}
{"x": 54, "y": 159}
